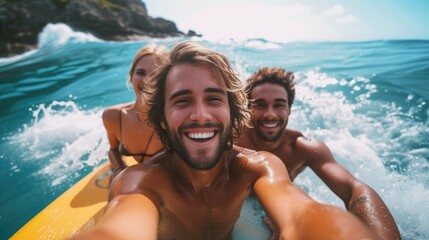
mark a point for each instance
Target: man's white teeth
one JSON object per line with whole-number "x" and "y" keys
{"x": 201, "y": 135}
{"x": 270, "y": 125}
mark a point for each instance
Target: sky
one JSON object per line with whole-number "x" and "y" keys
{"x": 298, "y": 20}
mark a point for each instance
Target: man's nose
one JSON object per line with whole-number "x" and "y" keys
{"x": 270, "y": 113}
{"x": 200, "y": 112}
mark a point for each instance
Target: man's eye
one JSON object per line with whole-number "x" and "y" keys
{"x": 214, "y": 99}
{"x": 181, "y": 101}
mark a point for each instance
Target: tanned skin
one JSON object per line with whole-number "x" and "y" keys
{"x": 270, "y": 113}
{"x": 196, "y": 190}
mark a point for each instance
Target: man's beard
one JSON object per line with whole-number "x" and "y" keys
{"x": 204, "y": 162}
{"x": 270, "y": 138}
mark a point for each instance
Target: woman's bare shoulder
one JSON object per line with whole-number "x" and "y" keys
{"x": 112, "y": 113}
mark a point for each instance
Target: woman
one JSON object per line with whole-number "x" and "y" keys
{"x": 127, "y": 130}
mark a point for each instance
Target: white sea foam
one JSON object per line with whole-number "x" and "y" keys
{"x": 373, "y": 140}
{"x": 256, "y": 44}
{"x": 63, "y": 139}
{"x": 59, "y": 34}
{"x": 260, "y": 44}
{"x": 53, "y": 35}
{"x": 16, "y": 58}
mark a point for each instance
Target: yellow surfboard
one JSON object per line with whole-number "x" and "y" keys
{"x": 76, "y": 209}
{"x": 83, "y": 204}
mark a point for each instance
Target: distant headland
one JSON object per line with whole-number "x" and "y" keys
{"x": 114, "y": 20}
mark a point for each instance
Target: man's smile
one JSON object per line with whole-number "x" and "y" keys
{"x": 201, "y": 136}
{"x": 270, "y": 124}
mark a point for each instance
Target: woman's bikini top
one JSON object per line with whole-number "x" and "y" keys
{"x": 123, "y": 149}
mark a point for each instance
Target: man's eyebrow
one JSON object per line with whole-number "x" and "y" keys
{"x": 179, "y": 93}
{"x": 187, "y": 91}
{"x": 261, "y": 100}
{"x": 215, "y": 90}
{"x": 280, "y": 100}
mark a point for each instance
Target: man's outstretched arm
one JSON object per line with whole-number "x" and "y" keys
{"x": 359, "y": 198}
{"x": 131, "y": 216}
{"x": 296, "y": 215}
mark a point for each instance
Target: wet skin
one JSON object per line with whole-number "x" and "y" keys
{"x": 169, "y": 197}
{"x": 201, "y": 178}
{"x": 270, "y": 115}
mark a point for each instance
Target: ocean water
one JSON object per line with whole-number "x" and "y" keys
{"x": 368, "y": 101}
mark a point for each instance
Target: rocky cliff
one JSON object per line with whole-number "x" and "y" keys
{"x": 22, "y": 20}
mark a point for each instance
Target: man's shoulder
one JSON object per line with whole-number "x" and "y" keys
{"x": 154, "y": 165}
{"x": 257, "y": 164}
{"x": 147, "y": 175}
{"x": 243, "y": 152}
{"x": 292, "y": 134}
{"x": 303, "y": 145}
{"x": 251, "y": 158}
{"x": 305, "y": 141}
{"x": 312, "y": 149}
{"x": 289, "y": 139}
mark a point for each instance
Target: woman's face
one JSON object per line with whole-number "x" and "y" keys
{"x": 143, "y": 69}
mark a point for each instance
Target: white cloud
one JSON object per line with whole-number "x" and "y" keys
{"x": 336, "y": 10}
{"x": 275, "y": 22}
{"x": 347, "y": 19}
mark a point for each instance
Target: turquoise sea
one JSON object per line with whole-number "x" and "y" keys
{"x": 368, "y": 101}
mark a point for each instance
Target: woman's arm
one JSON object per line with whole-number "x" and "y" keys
{"x": 111, "y": 122}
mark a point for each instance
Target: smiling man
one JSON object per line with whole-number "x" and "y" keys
{"x": 271, "y": 92}
{"x": 195, "y": 190}
{"x": 197, "y": 136}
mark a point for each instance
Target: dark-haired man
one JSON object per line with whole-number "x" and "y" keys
{"x": 271, "y": 92}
